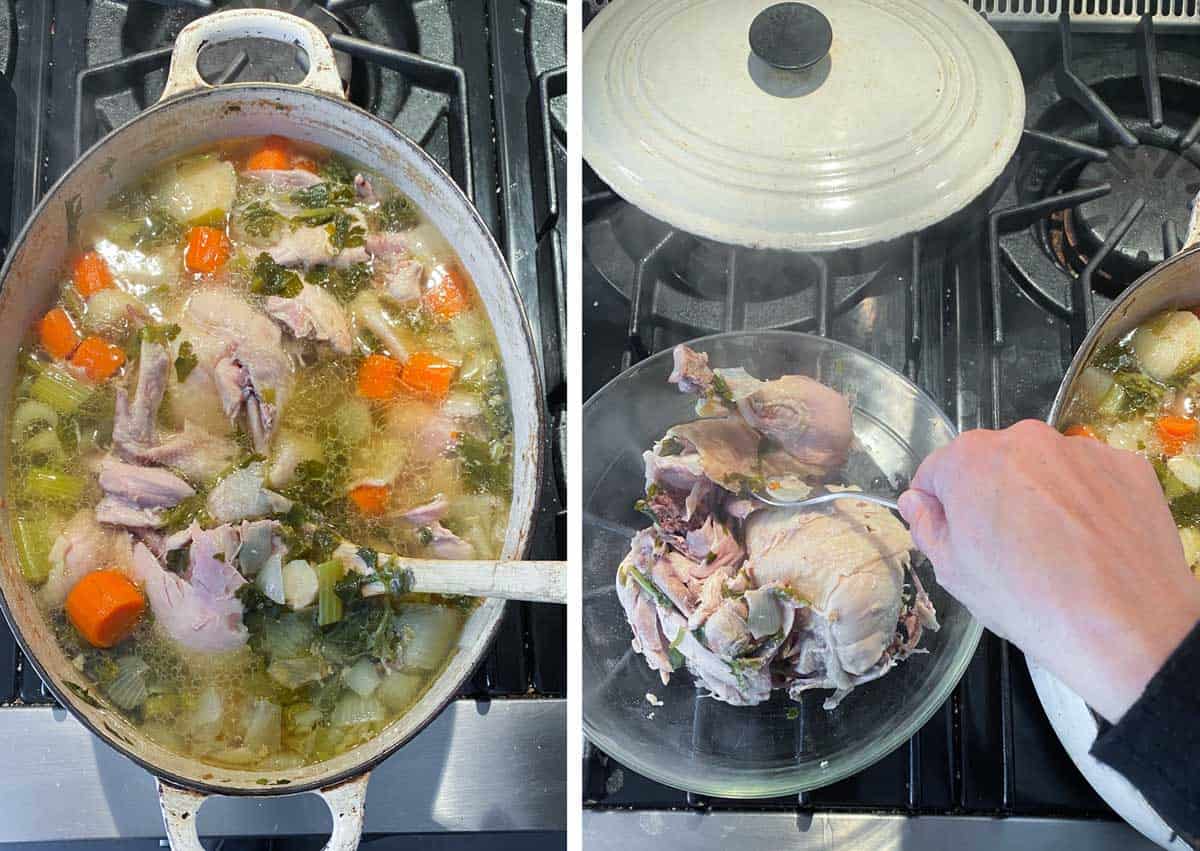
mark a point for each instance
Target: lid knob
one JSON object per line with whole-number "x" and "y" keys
{"x": 790, "y": 36}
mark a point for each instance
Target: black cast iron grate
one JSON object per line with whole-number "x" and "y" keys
{"x": 79, "y": 72}
{"x": 967, "y": 322}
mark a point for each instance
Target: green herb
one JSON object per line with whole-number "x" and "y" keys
{"x": 335, "y": 169}
{"x": 315, "y": 217}
{"x": 177, "y": 560}
{"x": 720, "y": 389}
{"x": 161, "y": 334}
{"x": 308, "y": 483}
{"x": 787, "y": 594}
{"x": 425, "y": 536}
{"x": 192, "y": 508}
{"x": 1186, "y": 509}
{"x": 670, "y": 446}
{"x": 344, "y": 232}
{"x": 710, "y": 558}
{"x": 676, "y": 658}
{"x": 643, "y": 507}
{"x": 396, "y": 213}
{"x": 185, "y": 362}
{"x": 649, "y": 587}
{"x": 269, "y": 278}
{"x": 343, "y": 283}
{"x": 260, "y": 219}
{"x": 324, "y": 195}
{"x": 1142, "y": 393}
{"x": 485, "y": 464}
{"x": 254, "y": 601}
{"x": 741, "y": 483}
{"x": 153, "y": 229}
{"x": 366, "y": 630}
{"x": 792, "y": 714}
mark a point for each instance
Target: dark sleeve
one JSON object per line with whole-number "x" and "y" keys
{"x": 1156, "y": 744}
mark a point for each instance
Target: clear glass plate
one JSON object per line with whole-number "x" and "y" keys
{"x": 780, "y": 747}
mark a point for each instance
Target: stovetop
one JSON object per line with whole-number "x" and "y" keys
{"x": 466, "y": 80}
{"x": 985, "y": 316}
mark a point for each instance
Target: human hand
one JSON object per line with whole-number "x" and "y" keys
{"x": 1064, "y": 546}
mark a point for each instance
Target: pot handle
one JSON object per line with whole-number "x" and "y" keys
{"x": 184, "y": 76}
{"x": 346, "y": 802}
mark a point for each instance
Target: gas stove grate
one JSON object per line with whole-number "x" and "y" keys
{"x": 1087, "y": 14}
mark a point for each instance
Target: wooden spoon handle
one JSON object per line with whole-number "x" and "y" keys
{"x": 533, "y": 581}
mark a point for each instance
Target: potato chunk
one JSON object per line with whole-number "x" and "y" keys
{"x": 195, "y": 188}
{"x": 1168, "y": 346}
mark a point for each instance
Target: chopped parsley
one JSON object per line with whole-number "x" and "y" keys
{"x": 1142, "y": 394}
{"x": 343, "y": 283}
{"x": 344, "y": 232}
{"x": 185, "y": 362}
{"x": 720, "y": 389}
{"x": 485, "y": 464}
{"x": 336, "y": 170}
{"x": 1115, "y": 357}
{"x": 396, "y": 213}
{"x": 324, "y": 195}
{"x": 260, "y": 219}
{"x": 269, "y": 278}
{"x": 670, "y": 446}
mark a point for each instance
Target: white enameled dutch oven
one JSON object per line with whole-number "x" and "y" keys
{"x": 191, "y": 114}
{"x": 809, "y": 126}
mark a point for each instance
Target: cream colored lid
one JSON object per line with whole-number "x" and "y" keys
{"x": 914, "y": 111}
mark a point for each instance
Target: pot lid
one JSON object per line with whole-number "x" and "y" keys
{"x": 818, "y": 126}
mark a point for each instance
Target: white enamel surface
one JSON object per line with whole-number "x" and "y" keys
{"x": 1076, "y": 729}
{"x": 914, "y": 113}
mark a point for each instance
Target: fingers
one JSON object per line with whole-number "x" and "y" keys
{"x": 926, "y": 519}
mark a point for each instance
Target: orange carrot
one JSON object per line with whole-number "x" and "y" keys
{"x": 57, "y": 333}
{"x": 1081, "y": 430}
{"x": 275, "y": 153}
{"x": 105, "y": 607}
{"x": 207, "y": 249}
{"x": 448, "y": 294}
{"x": 1174, "y": 432}
{"x": 98, "y": 358}
{"x": 370, "y": 500}
{"x": 426, "y": 374}
{"x": 91, "y": 274}
{"x": 379, "y": 377}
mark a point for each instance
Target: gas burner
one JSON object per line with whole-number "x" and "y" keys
{"x": 545, "y": 48}
{"x": 119, "y": 29}
{"x": 708, "y": 286}
{"x": 1166, "y": 181}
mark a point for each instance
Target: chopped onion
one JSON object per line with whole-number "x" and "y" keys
{"x": 353, "y": 709}
{"x": 128, "y": 690}
{"x": 265, "y": 725}
{"x": 293, "y": 673}
{"x": 362, "y": 677}
{"x": 300, "y": 584}
{"x": 426, "y": 633}
{"x": 399, "y": 689}
{"x": 288, "y": 637}
{"x": 270, "y": 578}
{"x": 206, "y": 717}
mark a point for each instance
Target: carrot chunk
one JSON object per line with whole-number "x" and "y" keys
{"x": 98, "y": 358}
{"x": 447, "y": 295}
{"x": 207, "y": 249}
{"x": 1081, "y": 430}
{"x": 379, "y": 377}
{"x": 426, "y": 374}
{"x": 370, "y": 500}
{"x": 275, "y": 153}
{"x": 1174, "y": 432}
{"x": 91, "y": 274}
{"x": 105, "y": 607}
{"x": 57, "y": 333}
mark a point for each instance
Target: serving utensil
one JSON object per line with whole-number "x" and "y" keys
{"x": 825, "y": 498}
{"x": 531, "y": 581}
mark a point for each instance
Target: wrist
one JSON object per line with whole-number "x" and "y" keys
{"x": 1135, "y": 656}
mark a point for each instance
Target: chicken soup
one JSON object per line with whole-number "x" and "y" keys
{"x": 265, "y": 371}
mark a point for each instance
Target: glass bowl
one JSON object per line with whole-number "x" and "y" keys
{"x": 780, "y": 747}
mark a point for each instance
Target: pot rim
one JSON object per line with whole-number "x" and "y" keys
{"x": 1084, "y": 353}
{"x": 537, "y": 459}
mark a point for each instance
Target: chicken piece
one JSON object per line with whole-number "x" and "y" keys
{"x": 430, "y": 512}
{"x": 313, "y": 314}
{"x": 310, "y": 246}
{"x": 211, "y": 559}
{"x": 82, "y": 546}
{"x": 364, "y": 190}
{"x": 739, "y": 682}
{"x": 134, "y": 422}
{"x": 387, "y": 245}
{"x": 283, "y": 179}
{"x": 445, "y": 544}
{"x": 642, "y": 615}
{"x": 194, "y": 452}
{"x": 142, "y": 487}
{"x": 368, "y": 311}
{"x": 809, "y": 421}
{"x": 241, "y": 495}
{"x": 242, "y": 349}
{"x": 401, "y": 280}
{"x": 727, "y": 450}
{"x": 199, "y": 612}
{"x": 117, "y": 512}
{"x": 713, "y": 546}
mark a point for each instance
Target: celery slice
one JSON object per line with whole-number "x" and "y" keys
{"x": 329, "y": 604}
{"x": 32, "y": 536}
{"x": 60, "y": 390}
{"x": 44, "y": 483}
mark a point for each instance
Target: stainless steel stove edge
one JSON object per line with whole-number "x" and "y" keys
{"x": 632, "y": 830}
{"x": 480, "y": 766}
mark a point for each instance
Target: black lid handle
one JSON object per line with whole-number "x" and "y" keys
{"x": 791, "y": 36}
